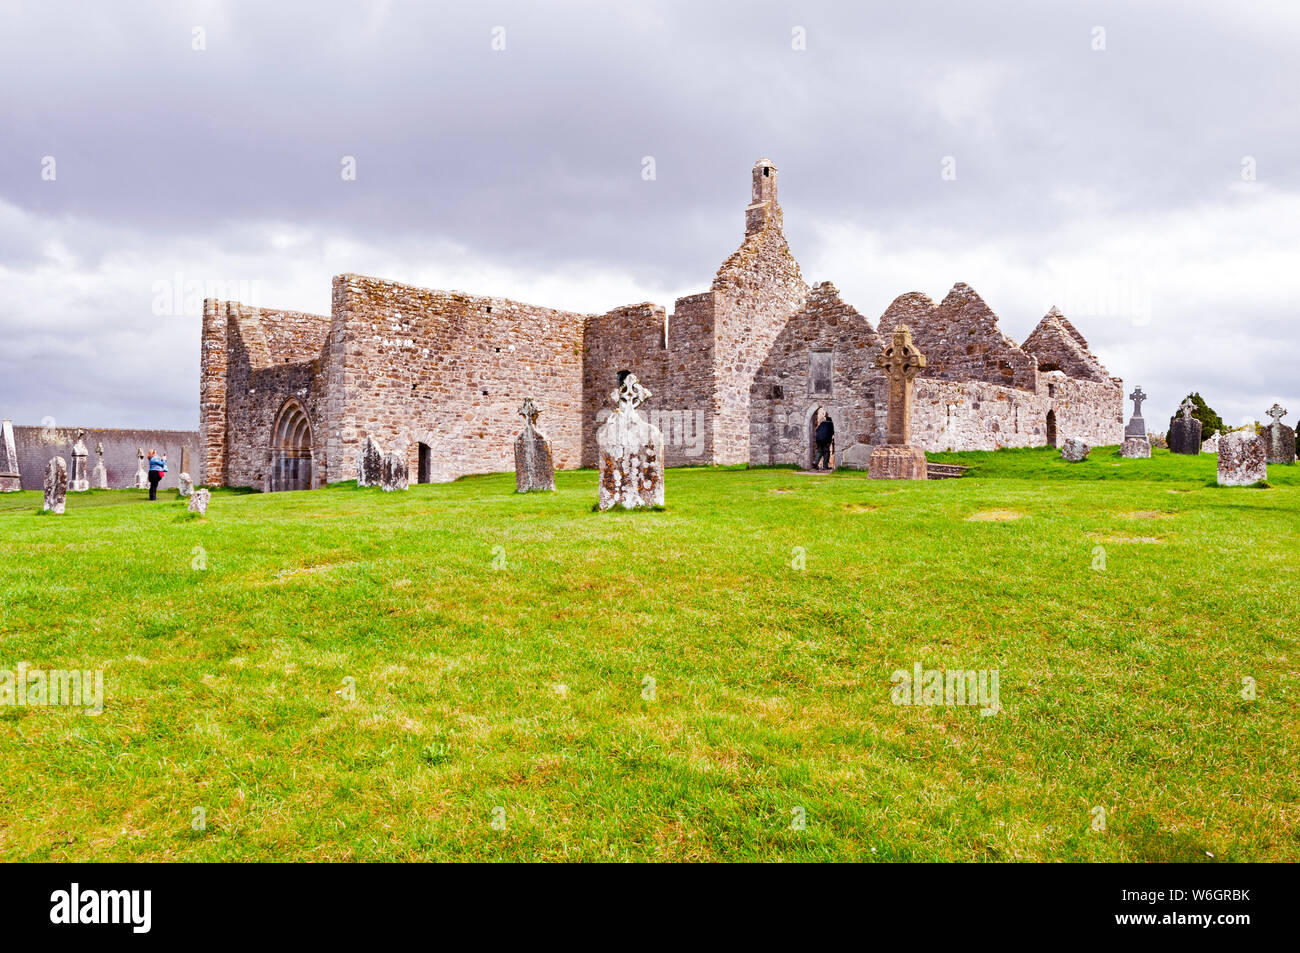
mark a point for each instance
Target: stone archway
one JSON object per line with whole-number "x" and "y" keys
{"x": 1051, "y": 428}
{"x": 291, "y": 445}
{"x": 810, "y": 427}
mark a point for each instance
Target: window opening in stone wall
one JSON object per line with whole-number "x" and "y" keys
{"x": 425, "y": 469}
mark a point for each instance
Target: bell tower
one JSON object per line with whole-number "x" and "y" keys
{"x": 763, "y": 209}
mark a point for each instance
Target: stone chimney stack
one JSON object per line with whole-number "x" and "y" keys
{"x": 763, "y": 209}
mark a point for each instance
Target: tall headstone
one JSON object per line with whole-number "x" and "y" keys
{"x": 898, "y": 459}
{"x": 370, "y": 463}
{"x": 10, "y": 480}
{"x": 186, "y": 462}
{"x": 1136, "y": 442}
{"x": 534, "y": 467}
{"x": 393, "y": 473}
{"x": 142, "y": 471}
{"x": 1243, "y": 459}
{"x": 56, "y": 485}
{"x": 1185, "y": 431}
{"x": 78, "y": 480}
{"x": 1279, "y": 439}
{"x": 100, "y": 478}
{"x": 631, "y": 451}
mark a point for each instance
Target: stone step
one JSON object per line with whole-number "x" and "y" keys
{"x": 944, "y": 471}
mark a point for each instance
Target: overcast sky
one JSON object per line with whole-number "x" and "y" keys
{"x": 1135, "y": 163}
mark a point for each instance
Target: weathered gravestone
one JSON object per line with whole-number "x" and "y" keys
{"x": 10, "y": 480}
{"x": 78, "y": 481}
{"x": 1185, "y": 431}
{"x": 1211, "y": 445}
{"x": 392, "y": 472}
{"x": 898, "y": 459}
{"x": 1243, "y": 459}
{"x": 370, "y": 463}
{"x": 100, "y": 478}
{"x": 1279, "y": 439}
{"x": 1075, "y": 450}
{"x": 56, "y": 485}
{"x": 1136, "y": 442}
{"x": 199, "y": 501}
{"x": 631, "y": 451}
{"x": 534, "y": 467}
{"x": 185, "y": 484}
{"x": 142, "y": 471}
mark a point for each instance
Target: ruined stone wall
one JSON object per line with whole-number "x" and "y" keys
{"x": 673, "y": 357}
{"x": 37, "y": 445}
{"x": 1093, "y": 411}
{"x": 973, "y": 415}
{"x": 272, "y": 356}
{"x": 960, "y": 339}
{"x": 757, "y": 290}
{"x": 410, "y": 365}
{"x": 786, "y": 391}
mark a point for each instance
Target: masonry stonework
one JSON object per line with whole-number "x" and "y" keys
{"x": 736, "y": 374}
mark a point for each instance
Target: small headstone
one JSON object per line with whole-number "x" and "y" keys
{"x": 631, "y": 451}
{"x": 898, "y": 459}
{"x": 1211, "y": 445}
{"x": 1137, "y": 427}
{"x": 392, "y": 472}
{"x": 199, "y": 501}
{"x": 1135, "y": 448}
{"x": 142, "y": 471}
{"x": 1243, "y": 459}
{"x": 78, "y": 481}
{"x": 1279, "y": 439}
{"x": 534, "y": 468}
{"x": 186, "y": 484}
{"x": 1185, "y": 431}
{"x": 370, "y": 463}
{"x": 100, "y": 478}
{"x": 10, "y": 480}
{"x": 56, "y": 485}
{"x": 1075, "y": 450}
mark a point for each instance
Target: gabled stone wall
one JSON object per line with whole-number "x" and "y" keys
{"x": 783, "y": 398}
{"x": 960, "y": 339}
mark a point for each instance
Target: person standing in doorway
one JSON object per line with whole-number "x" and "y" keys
{"x": 157, "y": 467}
{"x": 824, "y": 435}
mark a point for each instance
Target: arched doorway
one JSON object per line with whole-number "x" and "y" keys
{"x": 1051, "y": 428}
{"x": 811, "y": 419}
{"x": 291, "y": 449}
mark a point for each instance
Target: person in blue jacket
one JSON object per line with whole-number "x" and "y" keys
{"x": 157, "y": 467}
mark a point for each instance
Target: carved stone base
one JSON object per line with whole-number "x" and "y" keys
{"x": 10, "y": 483}
{"x": 897, "y": 463}
{"x": 1135, "y": 447}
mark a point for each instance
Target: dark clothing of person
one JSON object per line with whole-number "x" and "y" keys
{"x": 824, "y": 434}
{"x": 155, "y": 477}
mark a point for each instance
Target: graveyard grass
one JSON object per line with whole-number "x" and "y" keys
{"x": 366, "y": 676}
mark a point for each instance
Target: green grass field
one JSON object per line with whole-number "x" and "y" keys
{"x": 461, "y": 673}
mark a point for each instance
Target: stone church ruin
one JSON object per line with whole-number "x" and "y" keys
{"x": 737, "y": 373}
